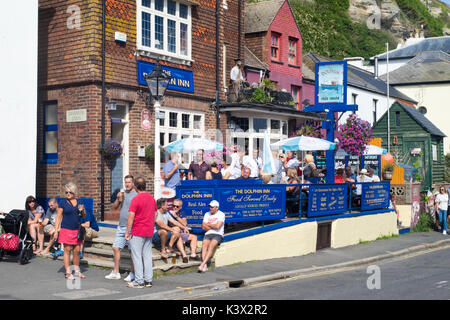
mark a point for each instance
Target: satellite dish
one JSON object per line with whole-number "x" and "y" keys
{"x": 422, "y": 110}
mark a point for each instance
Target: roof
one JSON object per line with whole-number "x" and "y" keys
{"x": 359, "y": 78}
{"x": 307, "y": 73}
{"x": 410, "y": 51}
{"x": 252, "y": 61}
{"x": 427, "y": 67}
{"x": 423, "y": 121}
{"x": 259, "y": 16}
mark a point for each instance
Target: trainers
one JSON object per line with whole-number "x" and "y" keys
{"x": 135, "y": 285}
{"x": 444, "y": 232}
{"x": 113, "y": 276}
{"x": 130, "y": 277}
{"x": 148, "y": 284}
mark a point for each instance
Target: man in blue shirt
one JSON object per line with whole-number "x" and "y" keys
{"x": 171, "y": 172}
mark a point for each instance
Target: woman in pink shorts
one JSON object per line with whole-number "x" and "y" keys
{"x": 70, "y": 212}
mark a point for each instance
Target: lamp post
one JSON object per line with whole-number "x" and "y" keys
{"x": 157, "y": 82}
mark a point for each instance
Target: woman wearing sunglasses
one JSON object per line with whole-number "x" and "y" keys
{"x": 441, "y": 201}
{"x": 35, "y": 213}
{"x": 68, "y": 220}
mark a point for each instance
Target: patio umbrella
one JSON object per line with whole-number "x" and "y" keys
{"x": 193, "y": 144}
{"x": 373, "y": 150}
{"x": 268, "y": 162}
{"x": 303, "y": 143}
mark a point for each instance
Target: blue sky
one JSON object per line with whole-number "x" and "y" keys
{"x": 446, "y": 1}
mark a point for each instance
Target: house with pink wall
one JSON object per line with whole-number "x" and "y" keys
{"x": 272, "y": 35}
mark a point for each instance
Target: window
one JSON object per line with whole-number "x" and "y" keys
{"x": 397, "y": 118}
{"x": 164, "y": 27}
{"x": 259, "y": 125}
{"x": 295, "y": 92}
{"x": 275, "y": 47}
{"x": 434, "y": 150}
{"x": 173, "y": 119}
{"x": 375, "y": 101}
{"x": 185, "y": 123}
{"x": 51, "y": 133}
{"x": 292, "y": 57}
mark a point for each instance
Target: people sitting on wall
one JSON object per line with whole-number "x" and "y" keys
{"x": 178, "y": 215}
{"x": 372, "y": 176}
{"x": 310, "y": 170}
{"x": 254, "y": 163}
{"x": 245, "y": 173}
{"x": 339, "y": 177}
{"x": 171, "y": 170}
{"x": 362, "y": 177}
{"x": 35, "y": 218}
{"x": 393, "y": 205}
{"x": 168, "y": 229}
{"x": 198, "y": 169}
{"x": 49, "y": 223}
{"x": 213, "y": 223}
{"x": 214, "y": 173}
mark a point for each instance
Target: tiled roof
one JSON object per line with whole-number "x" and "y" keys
{"x": 428, "y": 44}
{"x": 358, "y": 78}
{"x": 259, "y": 16}
{"x": 427, "y": 67}
{"x": 252, "y": 61}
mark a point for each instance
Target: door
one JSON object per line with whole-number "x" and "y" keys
{"x": 119, "y": 132}
{"x": 421, "y": 159}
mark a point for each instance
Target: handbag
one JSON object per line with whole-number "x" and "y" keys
{"x": 9, "y": 242}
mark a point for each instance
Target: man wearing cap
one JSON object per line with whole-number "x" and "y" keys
{"x": 213, "y": 224}
{"x": 236, "y": 77}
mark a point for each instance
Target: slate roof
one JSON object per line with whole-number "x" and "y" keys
{"x": 427, "y": 67}
{"x": 359, "y": 78}
{"x": 259, "y": 16}
{"x": 420, "y": 119}
{"x": 252, "y": 61}
{"x": 428, "y": 44}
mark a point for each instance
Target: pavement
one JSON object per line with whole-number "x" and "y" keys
{"x": 191, "y": 284}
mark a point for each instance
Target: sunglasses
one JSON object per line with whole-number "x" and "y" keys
{"x": 69, "y": 192}
{"x": 30, "y": 201}
{"x": 177, "y": 206}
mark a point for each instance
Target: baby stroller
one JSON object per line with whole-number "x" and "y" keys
{"x": 15, "y": 224}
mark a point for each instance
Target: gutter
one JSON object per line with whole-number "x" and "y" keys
{"x": 102, "y": 170}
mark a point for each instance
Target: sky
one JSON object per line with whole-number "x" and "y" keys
{"x": 446, "y": 1}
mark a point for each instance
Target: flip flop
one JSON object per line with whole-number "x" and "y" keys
{"x": 80, "y": 275}
{"x": 69, "y": 276}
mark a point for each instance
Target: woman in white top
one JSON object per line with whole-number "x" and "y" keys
{"x": 235, "y": 166}
{"x": 441, "y": 201}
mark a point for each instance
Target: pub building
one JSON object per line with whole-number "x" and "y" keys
{"x": 91, "y": 88}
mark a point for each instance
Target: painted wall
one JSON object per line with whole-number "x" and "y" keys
{"x": 350, "y": 231}
{"x": 18, "y": 102}
{"x": 435, "y": 98}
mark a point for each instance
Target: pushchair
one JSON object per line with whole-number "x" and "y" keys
{"x": 16, "y": 222}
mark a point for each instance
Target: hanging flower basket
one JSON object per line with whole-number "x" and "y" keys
{"x": 111, "y": 148}
{"x": 309, "y": 129}
{"x": 354, "y": 135}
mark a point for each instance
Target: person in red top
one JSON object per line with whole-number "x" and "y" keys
{"x": 339, "y": 178}
{"x": 141, "y": 221}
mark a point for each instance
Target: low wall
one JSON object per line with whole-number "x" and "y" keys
{"x": 350, "y": 231}
{"x": 291, "y": 241}
{"x": 301, "y": 239}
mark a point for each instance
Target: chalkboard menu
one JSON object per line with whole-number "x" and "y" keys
{"x": 375, "y": 195}
{"x": 324, "y": 200}
{"x": 373, "y": 162}
{"x": 239, "y": 203}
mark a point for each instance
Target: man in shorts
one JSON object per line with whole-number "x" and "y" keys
{"x": 167, "y": 228}
{"x": 213, "y": 224}
{"x": 49, "y": 223}
{"x": 123, "y": 202}
{"x": 178, "y": 216}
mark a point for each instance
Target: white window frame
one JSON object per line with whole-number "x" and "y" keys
{"x": 165, "y": 15}
{"x": 179, "y": 131}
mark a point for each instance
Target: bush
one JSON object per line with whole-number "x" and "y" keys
{"x": 425, "y": 223}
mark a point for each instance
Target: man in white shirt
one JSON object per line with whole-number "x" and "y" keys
{"x": 362, "y": 177}
{"x": 235, "y": 166}
{"x": 213, "y": 224}
{"x": 371, "y": 175}
{"x": 254, "y": 164}
{"x": 237, "y": 78}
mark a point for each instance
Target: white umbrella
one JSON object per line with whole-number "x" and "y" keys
{"x": 193, "y": 144}
{"x": 374, "y": 150}
{"x": 268, "y": 163}
{"x": 303, "y": 143}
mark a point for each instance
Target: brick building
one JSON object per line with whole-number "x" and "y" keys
{"x": 183, "y": 35}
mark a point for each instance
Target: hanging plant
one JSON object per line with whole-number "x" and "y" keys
{"x": 309, "y": 129}
{"x": 218, "y": 156}
{"x": 111, "y": 148}
{"x": 354, "y": 135}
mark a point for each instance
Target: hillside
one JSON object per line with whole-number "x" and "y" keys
{"x": 346, "y": 28}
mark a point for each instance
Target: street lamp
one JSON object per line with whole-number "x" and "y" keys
{"x": 157, "y": 82}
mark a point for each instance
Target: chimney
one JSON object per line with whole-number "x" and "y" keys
{"x": 375, "y": 71}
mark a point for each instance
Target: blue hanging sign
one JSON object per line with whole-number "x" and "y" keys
{"x": 375, "y": 195}
{"x": 182, "y": 80}
{"x": 327, "y": 199}
{"x": 331, "y": 83}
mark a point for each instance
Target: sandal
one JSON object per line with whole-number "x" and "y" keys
{"x": 80, "y": 275}
{"x": 69, "y": 276}
{"x": 170, "y": 250}
{"x": 164, "y": 256}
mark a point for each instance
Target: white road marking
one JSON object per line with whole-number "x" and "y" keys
{"x": 83, "y": 294}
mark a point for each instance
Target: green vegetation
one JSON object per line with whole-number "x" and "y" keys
{"x": 328, "y": 30}
{"x": 425, "y": 223}
{"x": 418, "y": 14}
{"x": 447, "y": 167}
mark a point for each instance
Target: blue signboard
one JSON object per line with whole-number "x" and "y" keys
{"x": 331, "y": 83}
{"x": 182, "y": 80}
{"x": 241, "y": 202}
{"x": 327, "y": 199}
{"x": 375, "y": 195}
